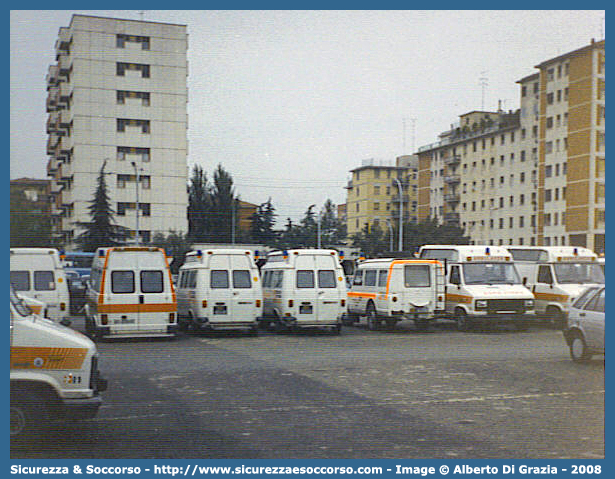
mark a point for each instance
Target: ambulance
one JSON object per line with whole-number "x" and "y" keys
{"x": 557, "y": 275}
{"x": 131, "y": 294}
{"x": 37, "y": 273}
{"x": 54, "y": 372}
{"x": 303, "y": 288}
{"x": 219, "y": 289}
{"x": 483, "y": 285}
{"x": 391, "y": 290}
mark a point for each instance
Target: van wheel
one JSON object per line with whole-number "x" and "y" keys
{"x": 27, "y": 414}
{"x": 463, "y": 323}
{"x": 578, "y": 348}
{"x": 337, "y": 329}
{"x": 373, "y": 323}
{"x": 349, "y": 319}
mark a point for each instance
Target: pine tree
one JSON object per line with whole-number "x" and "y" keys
{"x": 101, "y": 231}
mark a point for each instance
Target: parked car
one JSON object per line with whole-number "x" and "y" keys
{"x": 584, "y": 333}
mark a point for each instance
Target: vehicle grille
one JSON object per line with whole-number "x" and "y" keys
{"x": 506, "y": 304}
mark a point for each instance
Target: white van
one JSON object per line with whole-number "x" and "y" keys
{"x": 131, "y": 294}
{"x": 219, "y": 289}
{"x": 483, "y": 285}
{"x": 394, "y": 289}
{"x": 304, "y": 288}
{"x": 557, "y": 275}
{"x": 38, "y": 274}
{"x": 54, "y": 372}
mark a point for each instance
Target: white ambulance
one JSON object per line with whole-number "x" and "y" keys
{"x": 38, "y": 274}
{"x": 219, "y": 289}
{"x": 483, "y": 285}
{"x": 131, "y": 294}
{"x": 390, "y": 290}
{"x": 303, "y": 288}
{"x": 557, "y": 275}
{"x": 54, "y": 372}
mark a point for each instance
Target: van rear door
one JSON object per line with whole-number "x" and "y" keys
{"x": 419, "y": 287}
{"x": 156, "y": 298}
{"x": 243, "y": 301}
{"x": 120, "y": 292}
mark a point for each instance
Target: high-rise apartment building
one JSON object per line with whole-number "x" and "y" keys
{"x": 376, "y": 191}
{"x": 534, "y": 176}
{"x": 118, "y": 94}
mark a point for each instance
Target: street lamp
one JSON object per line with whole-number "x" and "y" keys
{"x": 134, "y": 165}
{"x": 401, "y": 210}
{"x": 390, "y": 234}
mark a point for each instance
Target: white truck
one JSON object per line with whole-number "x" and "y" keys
{"x": 219, "y": 289}
{"x": 557, "y": 275}
{"x": 54, "y": 372}
{"x": 391, "y": 290}
{"x": 304, "y": 288}
{"x": 483, "y": 285}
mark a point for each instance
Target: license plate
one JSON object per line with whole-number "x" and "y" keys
{"x": 219, "y": 309}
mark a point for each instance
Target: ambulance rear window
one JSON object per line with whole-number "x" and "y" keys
{"x": 219, "y": 279}
{"x": 43, "y": 281}
{"x": 122, "y": 282}
{"x": 305, "y": 279}
{"x": 241, "y": 279}
{"x": 326, "y": 278}
{"x": 151, "y": 282}
{"x": 416, "y": 276}
{"x": 20, "y": 280}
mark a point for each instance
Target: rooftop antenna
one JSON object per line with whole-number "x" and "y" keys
{"x": 413, "y": 126}
{"x": 483, "y": 82}
{"x": 404, "y": 135}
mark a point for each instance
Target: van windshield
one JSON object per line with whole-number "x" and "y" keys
{"x": 19, "y": 304}
{"x": 490, "y": 273}
{"x": 578, "y": 273}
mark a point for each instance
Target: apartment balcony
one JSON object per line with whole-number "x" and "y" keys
{"x": 452, "y": 179}
{"x": 452, "y": 197}
{"x": 452, "y": 160}
{"x": 52, "y": 122}
{"x": 451, "y": 218}
{"x": 52, "y": 142}
{"x": 52, "y": 166}
{"x": 64, "y": 64}
{"x": 52, "y": 76}
{"x": 63, "y": 41}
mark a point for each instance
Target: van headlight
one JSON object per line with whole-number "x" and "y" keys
{"x": 529, "y": 303}
{"x": 480, "y": 304}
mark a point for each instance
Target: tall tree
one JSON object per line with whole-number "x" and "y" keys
{"x": 332, "y": 230}
{"x": 224, "y": 207}
{"x": 102, "y": 230}
{"x": 29, "y": 226}
{"x": 371, "y": 241}
{"x": 261, "y": 230}
{"x": 199, "y": 205}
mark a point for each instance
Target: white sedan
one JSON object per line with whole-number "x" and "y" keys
{"x": 585, "y": 331}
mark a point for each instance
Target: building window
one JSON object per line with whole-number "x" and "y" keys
{"x": 121, "y": 39}
{"x": 521, "y": 221}
{"x": 550, "y": 122}
{"x": 550, "y": 98}
{"x": 122, "y": 151}
{"x": 122, "y": 123}
{"x": 121, "y": 68}
{"x": 122, "y": 95}
{"x": 548, "y": 171}
{"x": 547, "y": 195}
{"x": 521, "y": 199}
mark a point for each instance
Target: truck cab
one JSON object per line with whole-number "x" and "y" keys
{"x": 54, "y": 371}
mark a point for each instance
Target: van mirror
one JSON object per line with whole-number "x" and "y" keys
{"x": 524, "y": 281}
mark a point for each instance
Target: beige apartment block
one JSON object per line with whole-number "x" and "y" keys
{"x": 373, "y": 194}
{"x": 533, "y": 176}
{"x": 118, "y": 93}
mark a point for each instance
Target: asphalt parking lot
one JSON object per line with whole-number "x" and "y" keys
{"x": 494, "y": 393}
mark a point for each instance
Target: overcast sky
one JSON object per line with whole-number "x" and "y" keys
{"x": 290, "y": 101}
